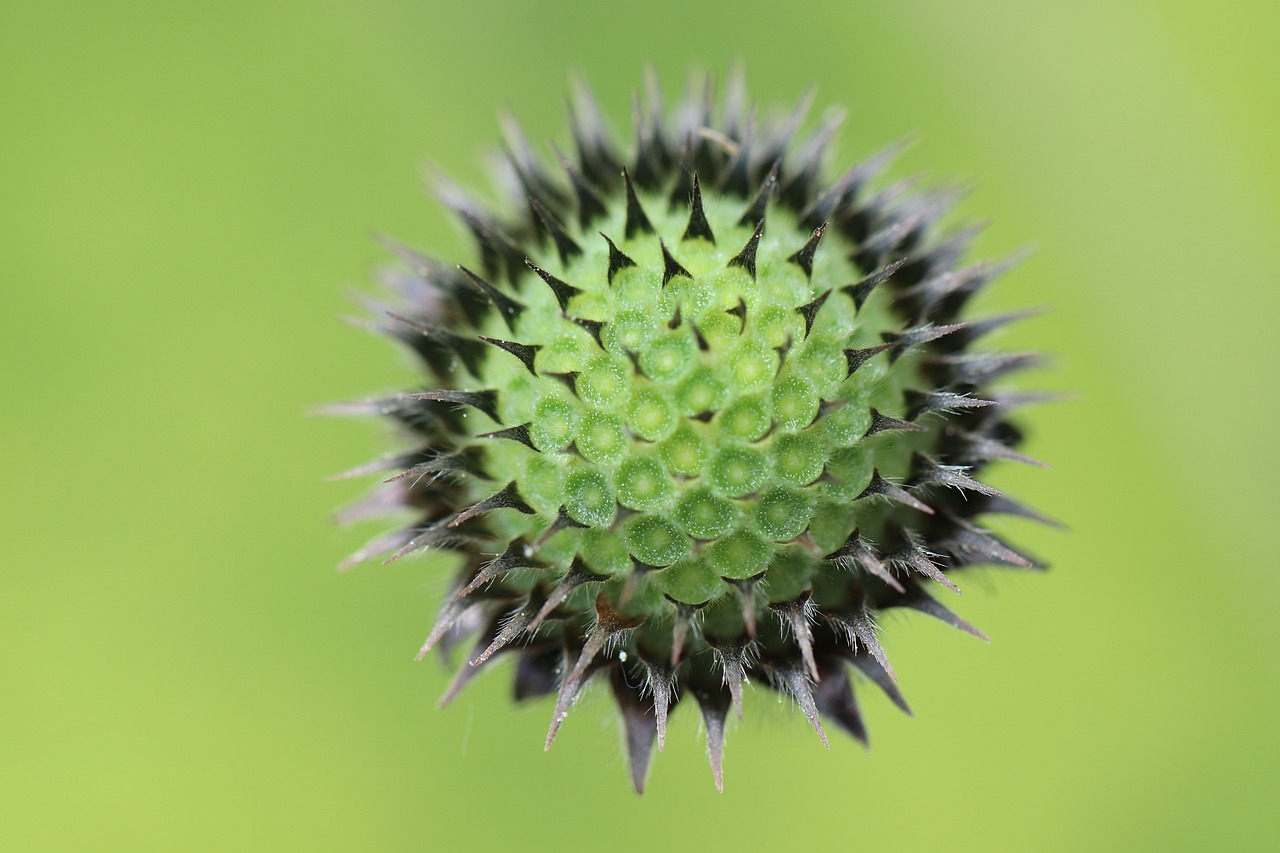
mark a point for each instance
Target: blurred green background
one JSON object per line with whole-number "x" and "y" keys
{"x": 188, "y": 192}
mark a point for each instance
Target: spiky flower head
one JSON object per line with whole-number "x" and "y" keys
{"x": 696, "y": 414}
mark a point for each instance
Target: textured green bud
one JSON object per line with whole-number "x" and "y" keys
{"x": 695, "y": 414}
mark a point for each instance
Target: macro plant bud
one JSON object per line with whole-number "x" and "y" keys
{"x": 694, "y": 414}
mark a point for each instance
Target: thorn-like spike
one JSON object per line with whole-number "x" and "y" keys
{"x": 861, "y": 554}
{"x": 882, "y": 487}
{"x": 855, "y": 358}
{"x": 637, "y": 221}
{"x": 506, "y": 498}
{"x": 983, "y": 367}
{"x": 859, "y": 291}
{"x": 714, "y": 705}
{"x": 922, "y": 602}
{"x": 927, "y": 472}
{"x": 685, "y": 614}
{"x": 524, "y": 352}
{"x": 508, "y": 561}
{"x": 860, "y": 628}
{"x": 803, "y": 257}
{"x": 562, "y": 290}
{"x": 509, "y": 308}
{"x": 810, "y": 311}
{"x": 883, "y": 423}
{"x": 640, "y": 726}
{"x": 747, "y": 257}
{"x": 593, "y": 327}
{"x": 698, "y": 227}
{"x": 569, "y": 688}
{"x": 733, "y": 659}
{"x": 759, "y": 206}
{"x": 985, "y": 449}
{"x": 518, "y": 434}
{"x": 795, "y": 681}
{"x": 434, "y": 535}
{"x": 566, "y": 247}
{"x": 577, "y": 575}
{"x": 796, "y": 616}
{"x": 436, "y": 465}
{"x": 515, "y": 624}
{"x": 968, "y": 545}
{"x": 450, "y": 614}
{"x": 660, "y": 683}
{"x": 563, "y": 521}
{"x": 485, "y": 401}
{"x": 912, "y": 557}
{"x": 617, "y": 260}
{"x": 671, "y": 268}
{"x": 834, "y": 698}
{"x": 608, "y": 625}
{"x": 900, "y": 342}
{"x": 945, "y": 402}
{"x": 871, "y": 669}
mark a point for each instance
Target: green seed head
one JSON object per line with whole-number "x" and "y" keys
{"x": 697, "y": 413}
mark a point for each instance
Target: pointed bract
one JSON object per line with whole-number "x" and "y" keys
{"x": 617, "y": 260}
{"x": 637, "y": 222}
{"x": 671, "y": 268}
{"x": 698, "y": 227}
{"x": 563, "y": 291}
{"x": 747, "y": 257}
{"x": 804, "y": 256}
{"x": 524, "y": 352}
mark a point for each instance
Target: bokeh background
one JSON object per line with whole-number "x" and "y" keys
{"x": 188, "y": 192}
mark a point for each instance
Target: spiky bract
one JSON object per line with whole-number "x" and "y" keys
{"x": 695, "y": 415}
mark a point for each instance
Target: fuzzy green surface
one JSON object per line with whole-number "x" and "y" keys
{"x": 705, "y": 462}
